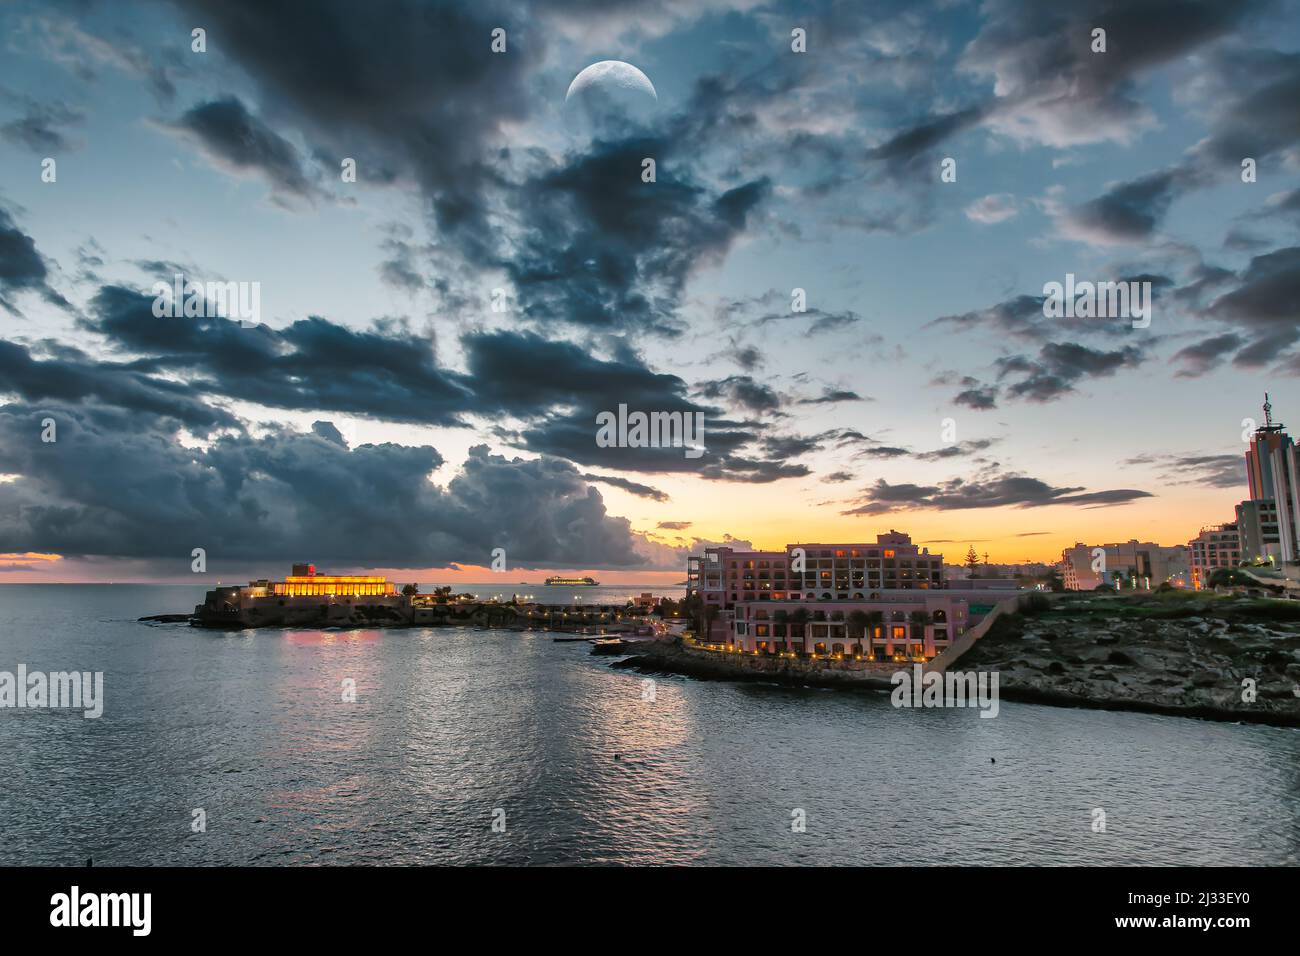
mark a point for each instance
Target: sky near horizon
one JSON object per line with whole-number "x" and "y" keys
{"x": 383, "y": 414}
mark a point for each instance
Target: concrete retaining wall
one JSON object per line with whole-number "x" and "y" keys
{"x": 941, "y": 662}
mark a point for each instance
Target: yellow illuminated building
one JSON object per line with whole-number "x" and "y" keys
{"x": 354, "y": 585}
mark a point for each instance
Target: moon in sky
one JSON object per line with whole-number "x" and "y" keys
{"x": 609, "y": 95}
{"x": 614, "y": 78}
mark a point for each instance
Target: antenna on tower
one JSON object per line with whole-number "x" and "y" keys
{"x": 1268, "y": 412}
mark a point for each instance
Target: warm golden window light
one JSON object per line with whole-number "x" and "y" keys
{"x": 347, "y": 585}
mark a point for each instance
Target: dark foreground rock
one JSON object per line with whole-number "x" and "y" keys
{"x": 1189, "y": 654}
{"x": 672, "y": 657}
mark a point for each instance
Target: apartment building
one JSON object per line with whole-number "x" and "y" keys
{"x": 1215, "y": 547}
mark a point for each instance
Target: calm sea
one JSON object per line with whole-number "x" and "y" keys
{"x": 451, "y": 727}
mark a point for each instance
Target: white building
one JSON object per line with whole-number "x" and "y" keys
{"x": 1142, "y": 565}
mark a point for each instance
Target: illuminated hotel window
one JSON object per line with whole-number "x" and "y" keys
{"x": 889, "y": 553}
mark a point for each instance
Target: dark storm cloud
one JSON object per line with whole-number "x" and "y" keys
{"x": 1049, "y": 87}
{"x": 1131, "y": 211}
{"x": 1253, "y": 115}
{"x": 412, "y": 94}
{"x": 555, "y": 388}
{"x": 631, "y": 487}
{"x": 832, "y": 396}
{"x": 1020, "y": 316}
{"x": 791, "y": 446}
{"x": 904, "y": 147}
{"x": 742, "y": 391}
{"x": 39, "y": 128}
{"x": 69, "y": 375}
{"x": 958, "y": 450}
{"x": 1012, "y": 490}
{"x": 389, "y": 374}
{"x": 1206, "y": 354}
{"x": 114, "y": 485}
{"x": 22, "y": 267}
{"x": 1262, "y": 305}
{"x": 400, "y": 269}
{"x": 1238, "y": 240}
{"x": 407, "y": 89}
{"x": 816, "y": 321}
{"x": 748, "y": 357}
{"x": 572, "y": 435}
{"x": 594, "y": 245}
{"x": 1266, "y": 296}
{"x": 236, "y": 140}
{"x": 1202, "y": 281}
{"x": 1216, "y": 471}
{"x": 1268, "y": 349}
{"x": 1256, "y": 92}
{"x": 883, "y": 451}
{"x": 526, "y": 375}
{"x": 522, "y": 373}
{"x": 1059, "y": 366}
{"x": 599, "y": 248}
{"x": 978, "y": 397}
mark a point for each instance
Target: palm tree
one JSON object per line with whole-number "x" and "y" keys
{"x": 919, "y": 619}
{"x": 874, "y": 620}
{"x": 710, "y": 614}
{"x": 856, "y": 627}
{"x": 799, "y": 619}
{"x": 779, "y": 619}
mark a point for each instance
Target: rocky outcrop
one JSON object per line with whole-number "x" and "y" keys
{"x": 335, "y": 614}
{"x": 671, "y": 656}
{"x": 1220, "y": 658}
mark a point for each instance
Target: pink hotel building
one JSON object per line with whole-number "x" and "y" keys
{"x": 761, "y": 603}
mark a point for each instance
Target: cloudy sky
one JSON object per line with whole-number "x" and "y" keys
{"x": 384, "y": 415}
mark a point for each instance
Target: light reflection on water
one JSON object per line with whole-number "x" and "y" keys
{"x": 449, "y": 725}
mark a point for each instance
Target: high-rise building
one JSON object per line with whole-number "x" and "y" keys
{"x": 1267, "y": 520}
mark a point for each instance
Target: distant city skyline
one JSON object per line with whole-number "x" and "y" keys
{"x": 843, "y": 265}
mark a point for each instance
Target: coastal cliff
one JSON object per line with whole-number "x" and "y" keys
{"x": 1180, "y": 653}
{"x": 1185, "y": 653}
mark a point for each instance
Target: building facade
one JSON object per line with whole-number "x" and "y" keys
{"x": 882, "y": 600}
{"x": 1214, "y": 548}
{"x": 1141, "y": 565}
{"x": 891, "y": 625}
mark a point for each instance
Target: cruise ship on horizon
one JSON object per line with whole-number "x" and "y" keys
{"x": 572, "y": 582}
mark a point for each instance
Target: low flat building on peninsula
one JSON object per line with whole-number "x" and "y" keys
{"x": 305, "y": 598}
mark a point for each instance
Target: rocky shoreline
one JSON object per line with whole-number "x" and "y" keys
{"x": 1186, "y": 655}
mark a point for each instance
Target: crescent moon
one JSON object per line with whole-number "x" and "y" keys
{"x": 616, "y": 73}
